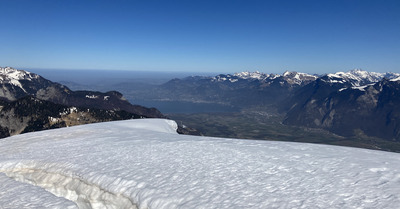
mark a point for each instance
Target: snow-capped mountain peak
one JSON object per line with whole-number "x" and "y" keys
{"x": 251, "y": 75}
{"x": 14, "y": 82}
{"x": 245, "y": 75}
{"x": 290, "y": 77}
{"x": 13, "y": 76}
{"x": 358, "y": 77}
{"x": 297, "y": 78}
{"x": 392, "y": 76}
{"x": 8, "y": 74}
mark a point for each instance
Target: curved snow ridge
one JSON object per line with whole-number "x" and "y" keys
{"x": 86, "y": 195}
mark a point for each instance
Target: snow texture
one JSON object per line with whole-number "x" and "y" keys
{"x": 146, "y": 164}
{"x": 14, "y": 194}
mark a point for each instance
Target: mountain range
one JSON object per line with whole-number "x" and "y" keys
{"x": 353, "y": 103}
{"x": 346, "y": 103}
{"x": 29, "y": 102}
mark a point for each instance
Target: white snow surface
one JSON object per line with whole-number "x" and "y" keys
{"x": 357, "y": 76}
{"x": 251, "y": 75}
{"x": 395, "y": 79}
{"x": 361, "y": 88}
{"x": 291, "y": 77}
{"x": 144, "y": 163}
{"x": 8, "y": 74}
{"x": 298, "y": 78}
{"x": 14, "y": 194}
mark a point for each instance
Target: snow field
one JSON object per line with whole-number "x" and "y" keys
{"x": 145, "y": 164}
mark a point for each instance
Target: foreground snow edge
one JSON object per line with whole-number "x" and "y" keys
{"x": 146, "y": 164}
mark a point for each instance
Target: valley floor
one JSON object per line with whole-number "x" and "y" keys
{"x": 261, "y": 125}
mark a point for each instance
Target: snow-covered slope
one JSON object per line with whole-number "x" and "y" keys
{"x": 145, "y": 164}
{"x": 252, "y": 75}
{"x": 290, "y": 77}
{"x": 13, "y": 76}
{"x": 12, "y": 82}
{"x": 395, "y": 78}
{"x": 358, "y": 77}
{"x": 298, "y": 78}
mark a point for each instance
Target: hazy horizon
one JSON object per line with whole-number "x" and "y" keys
{"x": 202, "y": 36}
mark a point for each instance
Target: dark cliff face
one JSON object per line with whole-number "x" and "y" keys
{"x": 373, "y": 110}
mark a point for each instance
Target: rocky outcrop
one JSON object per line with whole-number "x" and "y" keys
{"x": 31, "y": 114}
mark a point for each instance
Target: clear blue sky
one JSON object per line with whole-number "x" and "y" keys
{"x": 201, "y": 35}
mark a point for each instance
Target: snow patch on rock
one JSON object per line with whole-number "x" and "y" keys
{"x": 395, "y": 79}
{"x": 251, "y": 75}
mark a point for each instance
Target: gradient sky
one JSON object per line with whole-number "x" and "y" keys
{"x": 200, "y": 35}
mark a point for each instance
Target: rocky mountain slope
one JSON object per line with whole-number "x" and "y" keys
{"x": 29, "y": 102}
{"x": 16, "y": 84}
{"x": 348, "y": 109}
{"x": 240, "y": 90}
{"x": 353, "y": 103}
{"x": 346, "y": 103}
{"x": 31, "y": 114}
